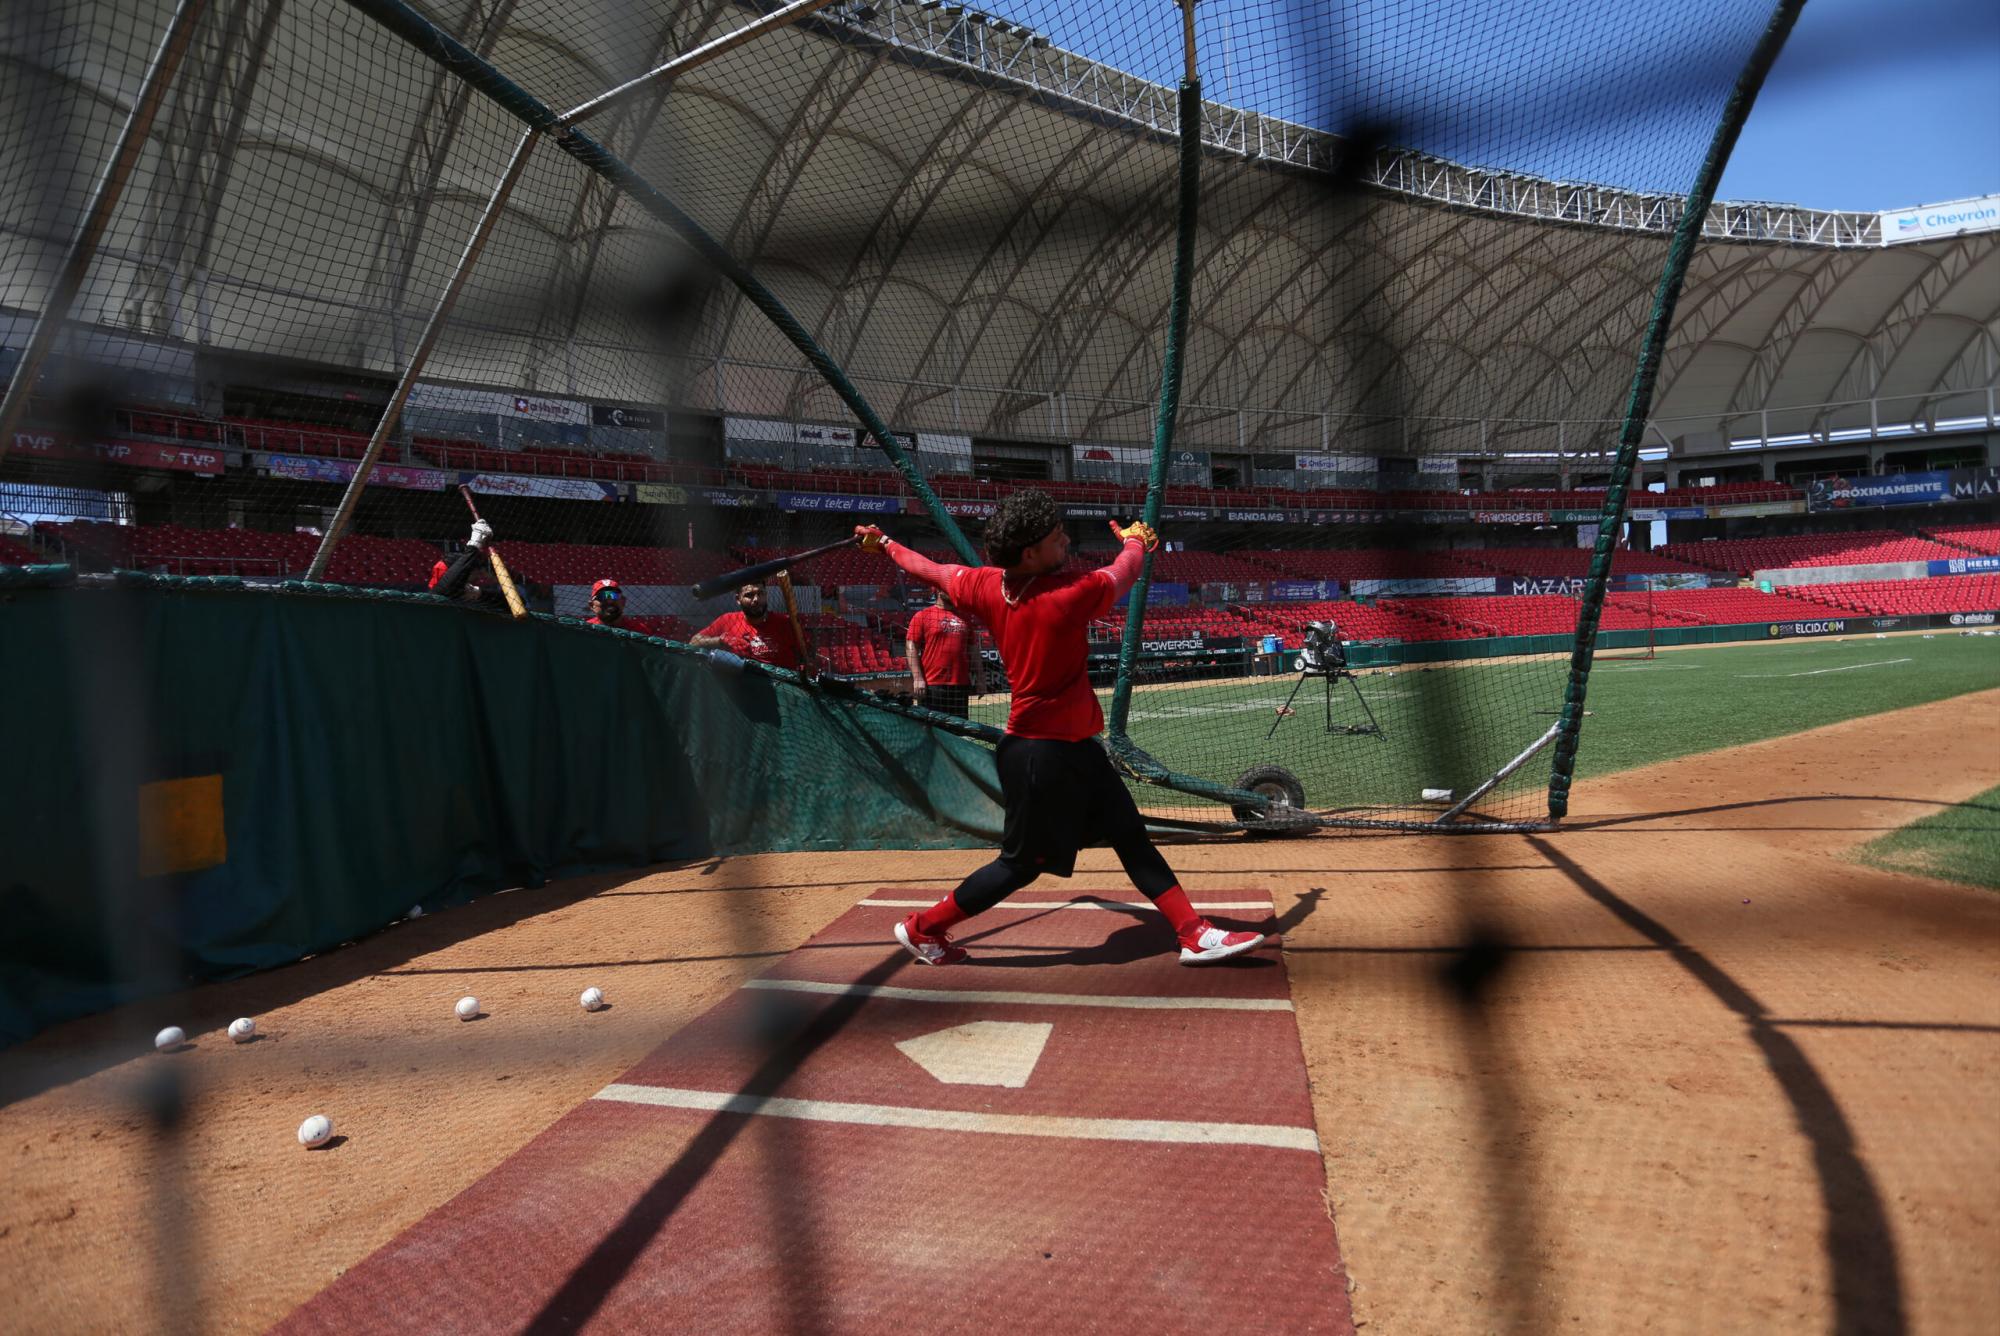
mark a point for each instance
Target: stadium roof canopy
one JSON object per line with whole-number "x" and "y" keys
{"x": 975, "y": 220}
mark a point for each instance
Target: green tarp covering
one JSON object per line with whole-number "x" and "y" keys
{"x": 378, "y": 752}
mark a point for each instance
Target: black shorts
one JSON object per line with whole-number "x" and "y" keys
{"x": 948, "y": 699}
{"x": 1061, "y": 797}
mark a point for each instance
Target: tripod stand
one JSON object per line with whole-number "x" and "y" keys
{"x": 1328, "y": 676}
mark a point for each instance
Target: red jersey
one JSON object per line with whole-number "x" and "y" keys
{"x": 944, "y": 646}
{"x": 772, "y": 643}
{"x": 1044, "y": 643}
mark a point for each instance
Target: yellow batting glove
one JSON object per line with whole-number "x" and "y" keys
{"x": 872, "y": 538}
{"x": 1138, "y": 529}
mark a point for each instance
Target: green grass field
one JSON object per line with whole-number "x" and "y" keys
{"x": 1961, "y": 843}
{"x": 1451, "y": 726}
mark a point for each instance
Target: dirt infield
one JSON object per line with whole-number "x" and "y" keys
{"x": 1697, "y": 1071}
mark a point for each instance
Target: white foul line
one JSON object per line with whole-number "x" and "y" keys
{"x": 1879, "y": 663}
{"x": 1264, "y": 905}
{"x": 1004, "y": 998}
{"x": 1275, "y": 1136}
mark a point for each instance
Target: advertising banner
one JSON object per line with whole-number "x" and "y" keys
{"x": 1254, "y": 516}
{"x": 1186, "y": 513}
{"x": 1161, "y": 593}
{"x": 728, "y": 498}
{"x": 1970, "y": 619}
{"x": 564, "y": 489}
{"x": 1087, "y": 512}
{"x": 1317, "y": 463}
{"x": 1941, "y": 220}
{"x": 827, "y": 501}
{"x": 1510, "y": 517}
{"x": 633, "y": 419}
{"x": 304, "y": 468}
{"x": 1575, "y": 516}
{"x": 1903, "y": 489}
{"x": 132, "y": 454}
{"x": 1963, "y": 565}
{"x": 1568, "y": 585}
{"x": 567, "y": 411}
{"x": 1974, "y": 484}
{"x": 1750, "y": 509}
{"x": 1345, "y": 516}
{"x": 1647, "y": 514}
{"x": 1112, "y": 454}
{"x": 1831, "y": 626}
{"x": 1303, "y": 591}
{"x": 659, "y": 494}
{"x": 808, "y": 434}
{"x": 1449, "y": 584}
{"x": 977, "y": 510}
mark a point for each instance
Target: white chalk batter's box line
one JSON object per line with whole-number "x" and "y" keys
{"x": 1264, "y": 905}
{"x": 1006, "y": 998}
{"x": 1155, "y": 1130}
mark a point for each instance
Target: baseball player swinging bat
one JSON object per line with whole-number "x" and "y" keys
{"x": 500, "y": 571}
{"x": 743, "y": 575}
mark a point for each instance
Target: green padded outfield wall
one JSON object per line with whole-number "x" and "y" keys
{"x": 346, "y": 757}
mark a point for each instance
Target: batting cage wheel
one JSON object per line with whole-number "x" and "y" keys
{"x": 1283, "y": 789}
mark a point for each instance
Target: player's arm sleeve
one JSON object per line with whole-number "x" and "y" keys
{"x": 918, "y": 566}
{"x": 1120, "y": 575}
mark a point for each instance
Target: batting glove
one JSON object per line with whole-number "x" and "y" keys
{"x": 872, "y": 538}
{"x": 1138, "y": 529}
{"x": 482, "y": 533}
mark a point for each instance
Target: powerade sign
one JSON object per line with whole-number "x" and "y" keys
{"x": 1904, "y": 489}
{"x": 1941, "y": 220}
{"x": 1303, "y": 591}
{"x": 1836, "y": 626}
{"x": 846, "y": 505}
{"x": 1962, "y": 566}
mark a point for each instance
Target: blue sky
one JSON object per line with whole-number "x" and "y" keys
{"x": 1874, "y": 104}
{"x": 1877, "y": 105}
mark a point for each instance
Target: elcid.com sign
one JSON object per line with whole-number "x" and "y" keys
{"x": 1833, "y": 626}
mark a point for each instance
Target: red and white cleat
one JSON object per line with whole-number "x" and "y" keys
{"x": 1212, "y": 943}
{"x": 938, "y": 950}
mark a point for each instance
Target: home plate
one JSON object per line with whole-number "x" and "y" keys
{"x": 995, "y": 1053}
{"x": 1068, "y": 1132}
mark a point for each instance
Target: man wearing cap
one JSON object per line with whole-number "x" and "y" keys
{"x": 751, "y": 632}
{"x": 607, "y": 603}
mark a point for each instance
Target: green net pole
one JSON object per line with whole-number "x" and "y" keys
{"x": 480, "y": 74}
{"x": 1639, "y": 401}
{"x": 1170, "y": 369}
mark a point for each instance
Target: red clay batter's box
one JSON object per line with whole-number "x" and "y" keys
{"x": 1071, "y": 1132}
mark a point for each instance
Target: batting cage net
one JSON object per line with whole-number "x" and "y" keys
{"x": 299, "y": 290}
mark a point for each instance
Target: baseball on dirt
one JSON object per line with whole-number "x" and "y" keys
{"x": 592, "y": 999}
{"x": 467, "y": 1008}
{"x": 315, "y": 1131}
{"x": 171, "y": 1037}
{"x": 242, "y": 1029}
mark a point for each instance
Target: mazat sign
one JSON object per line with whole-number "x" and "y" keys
{"x": 1941, "y": 220}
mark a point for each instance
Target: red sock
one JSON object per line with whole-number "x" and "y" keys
{"x": 940, "y": 917}
{"x": 1173, "y": 902}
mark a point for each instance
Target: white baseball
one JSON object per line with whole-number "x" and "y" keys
{"x": 242, "y": 1029}
{"x": 467, "y": 1008}
{"x": 171, "y": 1037}
{"x": 592, "y": 999}
{"x": 416, "y": 911}
{"x": 315, "y": 1131}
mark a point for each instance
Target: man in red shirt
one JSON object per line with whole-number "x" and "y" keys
{"x": 944, "y": 658}
{"x": 752, "y": 633}
{"x": 1058, "y": 784}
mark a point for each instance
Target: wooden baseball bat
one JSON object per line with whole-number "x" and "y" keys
{"x": 500, "y": 571}
{"x": 807, "y": 658}
{"x": 744, "y": 575}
